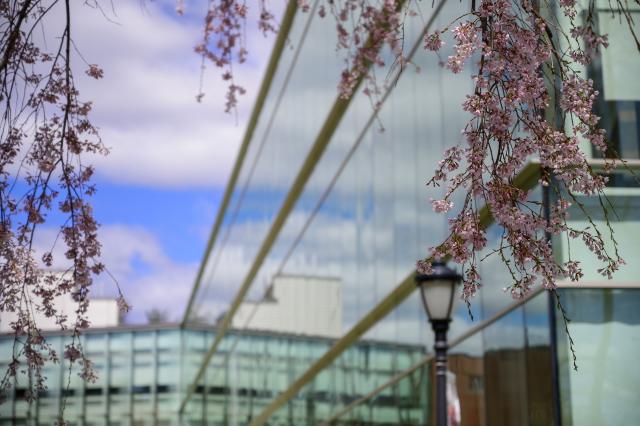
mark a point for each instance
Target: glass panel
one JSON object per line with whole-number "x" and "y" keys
{"x": 538, "y": 360}
{"x": 505, "y": 371}
{"x": 466, "y": 383}
{"x": 278, "y": 139}
{"x": 615, "y": 73}
{"x": 620, "y": 66}
{"x": 605, "y": 328}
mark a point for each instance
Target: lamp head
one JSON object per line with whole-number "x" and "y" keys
{"x": 438, "y": 291}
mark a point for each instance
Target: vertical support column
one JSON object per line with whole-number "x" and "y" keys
{"x": 15, "y": 398}
{"x": 107, "y": 383}
{"x": 62, "y": 387}
{"x": 131, "y": 373}
{"x": 440, "y": 328}
{"x": 154, "y": 385}
{"x": 310, "y": 408}
{"x": 553, "y": 335}
{"x": 291, "y": 361}
{"x": 36, "y": 418}
{"x": 203, "y": 413}
{"x": 227, "y": 387}
{"x": 553, "y": 344}
{"x": 425, "y": 397}
{"x": 181, "y": 365}
{"x": 83, "y": 386}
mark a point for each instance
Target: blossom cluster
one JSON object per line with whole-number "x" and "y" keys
{"x": 224, "y": 40}
{"x": 45, "y": 131}
{"x": 525, "y": 66}
{"x": 511, "y": 44}
{"x": 363, "y": 28}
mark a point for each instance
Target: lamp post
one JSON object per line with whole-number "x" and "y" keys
{"x": 438, "y": 295}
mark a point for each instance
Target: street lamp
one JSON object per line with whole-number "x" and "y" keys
{"x": 438, "y": 291}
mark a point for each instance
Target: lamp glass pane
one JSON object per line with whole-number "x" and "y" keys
{"x": 437, "y": 298}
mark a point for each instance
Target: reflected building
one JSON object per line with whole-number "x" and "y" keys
{"x": 295, "y": 304}
{"x": 144, "y": 373}
{"x": 101, "y": 312}
{"x": 318, "y": 190}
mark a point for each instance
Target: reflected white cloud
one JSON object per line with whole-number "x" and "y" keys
{"x": 145, "y": 105}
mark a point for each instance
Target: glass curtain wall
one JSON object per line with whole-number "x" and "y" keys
{"x": 143, "y": 375}
{"x": 296, "y": 106}
{"x": 613, "y": 72}
{"x": 605, "y": 328}
{"x": 139, "y": 380}
{"x": 364, "y": 216}
{"x": 498, "y": 376}
{"x": 604, "y": 319}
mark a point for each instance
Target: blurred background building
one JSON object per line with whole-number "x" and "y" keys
{"x": 319, "y": 190}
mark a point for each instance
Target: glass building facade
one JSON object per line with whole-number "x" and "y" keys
{"x": 143, "y": 374}
{"x": 323, "y": 190}
{"x": 320, "y": 189}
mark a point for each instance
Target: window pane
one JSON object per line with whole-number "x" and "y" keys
{"x": 604, "y": 326}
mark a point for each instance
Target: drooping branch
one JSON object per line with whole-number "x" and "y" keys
{"x": 45, "y": 131}
{"x": 14, "y": 34}
{"x": 520, "y": 61}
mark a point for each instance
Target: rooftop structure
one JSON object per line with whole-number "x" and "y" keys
{"x": 295, "y": 304}
{"x": 102, "y": 312}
